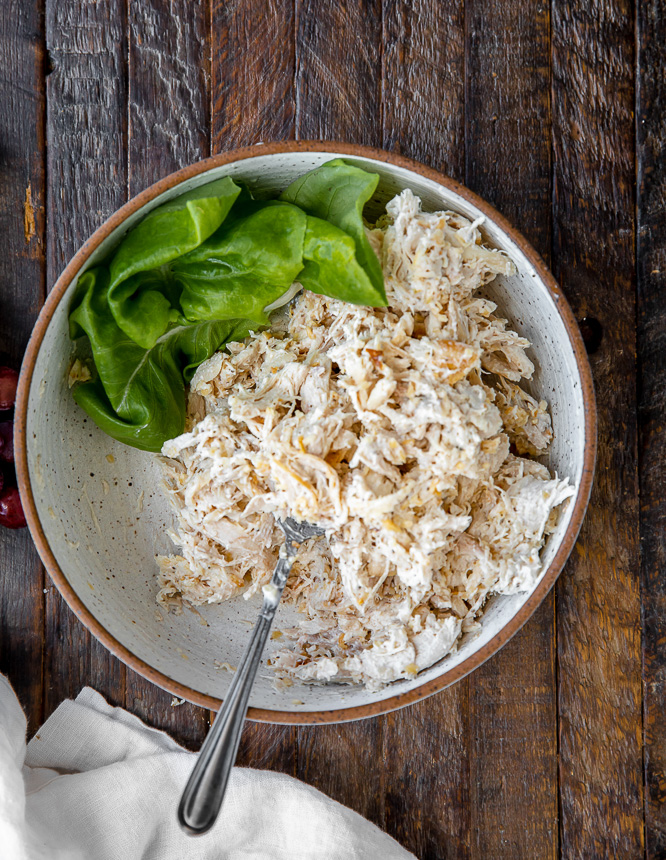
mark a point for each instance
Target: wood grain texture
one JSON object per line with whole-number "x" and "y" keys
{"x": 168, "y": 108}
{"x": 22, "y": 621}
{"x": 426, "y": 747}
{"x": 87, "y": 181}
{"x": 22, "y": 270}
{"x": 86, "y": 132}
{"x": 268, "y": 748}
{"x": 513, "y": 747}
{"x": 651, "y": 335}
{"x": 598, "y": 597}
{"x": 345, "y": 762}
{"x": 252, "y": 72}
{"x": 513, "y": 715}
{"x": 338, "y": 70}
{"x": 423, "y": 75}
{"x": 169, "y": 88}
{"x": 508, "y": 113}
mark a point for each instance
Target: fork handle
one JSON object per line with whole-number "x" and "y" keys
{"x": 204, "y": 792}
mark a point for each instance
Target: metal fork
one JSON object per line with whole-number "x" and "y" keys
{"x": 204, "y": 792}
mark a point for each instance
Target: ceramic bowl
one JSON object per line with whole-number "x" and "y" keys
{"x": 98, "y": 517}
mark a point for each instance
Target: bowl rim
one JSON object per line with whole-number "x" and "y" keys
{"x": 398, "y": 700}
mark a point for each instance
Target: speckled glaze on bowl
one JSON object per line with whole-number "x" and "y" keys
{"x": 98, "y": 517}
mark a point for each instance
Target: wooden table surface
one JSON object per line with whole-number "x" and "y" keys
{"x": 556, "y": 114}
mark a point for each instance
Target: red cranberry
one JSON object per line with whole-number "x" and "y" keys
{"x": 8, "y": 383}
{"x": 11, "y": 509}
{"x": 6, "y": 441}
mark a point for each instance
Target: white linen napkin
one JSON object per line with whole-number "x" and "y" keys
{"x": 95, "y": 783}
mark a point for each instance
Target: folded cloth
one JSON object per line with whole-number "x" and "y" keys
{"x": 95, "y": 783}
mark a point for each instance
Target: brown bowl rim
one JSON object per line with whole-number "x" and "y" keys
{"x": 400, "y": 699}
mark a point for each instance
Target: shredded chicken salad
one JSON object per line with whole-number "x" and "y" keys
{"x": 403, "y": 430}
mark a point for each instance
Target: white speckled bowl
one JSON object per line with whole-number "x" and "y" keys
{"x": 98, "y": 517}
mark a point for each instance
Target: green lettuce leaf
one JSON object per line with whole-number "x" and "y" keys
{"x": 140, "y": 297}
{"x": 331, "y": 267}
{"x": 146, "y": 305}
{"x": 337, "y": 192}
{"x": 173, "y": 229}
{"x": 245, "y": 266}
{"x": 139, "y": 395}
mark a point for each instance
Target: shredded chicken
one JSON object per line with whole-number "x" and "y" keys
{"x": 78, "y": 372}
{"x": 392, "y": 427}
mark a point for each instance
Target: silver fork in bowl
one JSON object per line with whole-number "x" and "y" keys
{"x": 204, "y": 792}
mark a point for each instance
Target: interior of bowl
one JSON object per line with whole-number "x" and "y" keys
{"x": 105, "y": 518}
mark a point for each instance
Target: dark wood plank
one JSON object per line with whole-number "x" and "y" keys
{"x": 169, "y": 88}
{"x": 252, "y": 72}
{"x": 22, "y": 621}
{"x": 22, "y": 270}
{"x": 338, "y": 69}
{"x": 598, "y": 597}
{"x": 513, "y": 750}
{"x": 252, "y": 81}
{"x": 426, "y": 759}
{"x": 651, "y": 256}
{"x": 169, "y": 127}
{"x": 426, "y": 747}
{"x": 268, "y": 747}
{"x": 345, "y": 762}
{"x": 87, "y": 181}
{"x": 423, "y": 75}
{"x": 513, "y": 718}
{"x": 508, "y": 113}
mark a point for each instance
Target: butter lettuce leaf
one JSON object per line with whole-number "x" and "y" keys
{"x": 146, "y": 305}
{"x": 138, "y": 396}
{"x": 331, "y": 267}
{"x": 245, "y": 266}
{"x": 140, "y": 297}
{"x": 337, "y": 192}
{"x": 173, "y": 229}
